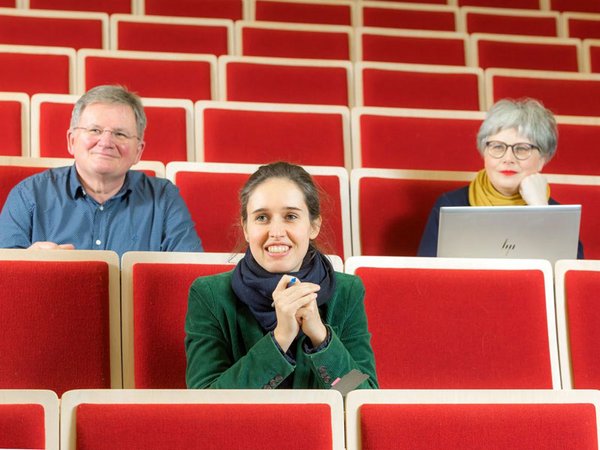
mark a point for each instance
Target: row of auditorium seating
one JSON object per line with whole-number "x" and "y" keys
{"x": 79, "y": 321}
{"x": 300, "y": 419}
{"x": 380, "y": 212}
{"x": 318, "y": 135}
{"x": 339, "y": 12}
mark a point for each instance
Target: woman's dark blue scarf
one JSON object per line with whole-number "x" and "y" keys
{"x": 254, "y": 285}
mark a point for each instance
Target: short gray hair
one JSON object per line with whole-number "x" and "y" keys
{"x": 528, "y": 117}
{"x": 111, "y": 94}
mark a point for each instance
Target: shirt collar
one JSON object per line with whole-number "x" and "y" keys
{"x": 76, "y": 189}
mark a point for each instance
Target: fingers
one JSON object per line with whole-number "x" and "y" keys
{"x": 46, "y": 245}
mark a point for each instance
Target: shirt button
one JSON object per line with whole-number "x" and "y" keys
{"x": 101, "y": 208}
{"x": 98, "y": 242}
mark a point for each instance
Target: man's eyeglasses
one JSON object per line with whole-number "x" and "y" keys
{"x": 521, "y": 150}
{"x": 118, "y": 136}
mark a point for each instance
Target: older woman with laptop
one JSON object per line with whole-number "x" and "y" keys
{"x": 516, "y": 140}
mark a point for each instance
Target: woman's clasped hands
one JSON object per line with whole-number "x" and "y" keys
{"x": 296, "y": 308}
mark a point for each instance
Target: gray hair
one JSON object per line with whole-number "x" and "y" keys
{"x": 528, "y": 117}
{"x": 111, "y": 94}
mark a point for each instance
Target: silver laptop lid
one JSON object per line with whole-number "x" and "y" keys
{"x": 540, "y": 232}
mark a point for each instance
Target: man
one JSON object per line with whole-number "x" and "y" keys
{"x": 98, "y": 203}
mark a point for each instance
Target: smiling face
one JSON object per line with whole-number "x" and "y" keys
{"x": 278, "y": 228}
{"x": 506, "y": 173}
{"x": 101, "y": 157}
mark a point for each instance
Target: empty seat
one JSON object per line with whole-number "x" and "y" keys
{"x": 329, "y": 12}
{"x": 460, "y": 323}
{"x": 418, "y": 86}
{"x": 525, "y": 52}
{"x": 591, "y": 55}
{"x": 171, "y": 34}
{"x": 575, "y": 155}
{"x": 57, "y": 64}
{"x": 564, "y": 93}
{"x": 509, "y": 21}
{"x": 293, "y": 40}
{"x": 29, "y": 419}
{"x": 52, "y": 28}
{"x": 585, "y": 191}
{"x": 223, "y": 9}
{"x": 106, "y": 6}
{"x": 149, "y": 74}
{"x": 241, "y": 132}
{"x": 14, "y": 123}
{"x": 285, "y": 80}
{"x": 211, "y": 190}
{"x": 207, "y": 419}
{"x": 410, "y": 46}
{"x": 417, "y": 139}
{"x": 581, "y": 25}
{"x": 169, "y": 134}
{"x": 578, "y": 322}
{"x": 575, "y": 5}
{"x": 472, "y": 419}
{"x": 63, "y": 329}
{"x": 515, "y": 4}
{"x": 407, "y": 16}
{"x": 390, "y": 207}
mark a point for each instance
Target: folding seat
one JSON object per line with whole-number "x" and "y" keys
{"x": 411, "y": 46}
{"x": 62, "y": 331}
{"x": 417, "y": 139}
{"x": 525, "y": 52}
{"x": 460, "y": 323}
{"x": 293, "y": 40}
{"x": 581, "y": 25}
{"x": 15, "y": 169}
{"x": 171, "y": 34}
{"x": 523, "y": 22}
{"x": 591, "y": 55}
{"x": 325, "y": 12}
{"x": 564, "y": 93}
{"x": 473, "y": 419}
{"x": 180, "y": 419}
{"x": 105, "y": 6}
{"x": 578, "y": 322}
{"x": 8, "y": 3}
{"x": 29, "y": 419}
{"x": 575, "y": 5}
{"x": 211, "y": 190}
{"x": 149, "y": 74}
{"x": 513, "y": 4}
{"x": 169, "y": 134}
{"x": 14, "y": 117}
{"x": 575, "y": 155}
{"x": 243, "y": 132}
{"x": 52, "y": 28}
{"x": 388, "y": 14}
{"x": 221, "y": 9}
{"x": 418, "y": 86}
{"x": 585, "y": 191}
{"x": 22, "y": 66}
{"x": 285, "y": 80}
{"x": 389, "y": 208}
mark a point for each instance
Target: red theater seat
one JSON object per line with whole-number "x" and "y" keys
{"x": 407, "y": 16}
{"x": 62, "y": 331}
{"x": 106, "y": 6}
{"x": 171, "y": 34}
{"x": 460, "y": 323}
{"x": 523, "y": 22}
{"x": 473, "y": 419}
{"x": 575, "y": 5}
{"x": 14, "y": 123}
{"x": 207, "y": 419}
{"x": 149, "y": 74}
{"x": 515, "y": 4}
{"x": 242, "y": 132}
{"x": 581, "y": 25}
{"x": 418, "y": 86}
{"x": 28, "y": 419}
{"x": 328, "y": 12}
{"x": 223, "y": 9}
{"x": 211, "y": 190}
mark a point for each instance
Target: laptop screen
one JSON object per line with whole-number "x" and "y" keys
{"x": 539, "y": 232}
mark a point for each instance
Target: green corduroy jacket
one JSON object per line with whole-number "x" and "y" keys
{"x": 226, "y": 348}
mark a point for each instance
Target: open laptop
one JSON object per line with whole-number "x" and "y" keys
{"x": 541, "y": 232}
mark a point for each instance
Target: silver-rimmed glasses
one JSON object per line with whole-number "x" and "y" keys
{"x": 521, "y": 150}
{"x": 118, "y": 135}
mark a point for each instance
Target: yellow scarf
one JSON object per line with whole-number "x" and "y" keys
{"x": 483, "y": 193}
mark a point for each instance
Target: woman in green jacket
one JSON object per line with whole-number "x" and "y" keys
{"x": 282, "y": 318}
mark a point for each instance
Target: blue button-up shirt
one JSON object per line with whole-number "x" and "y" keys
{"x": 146, "y": 214}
